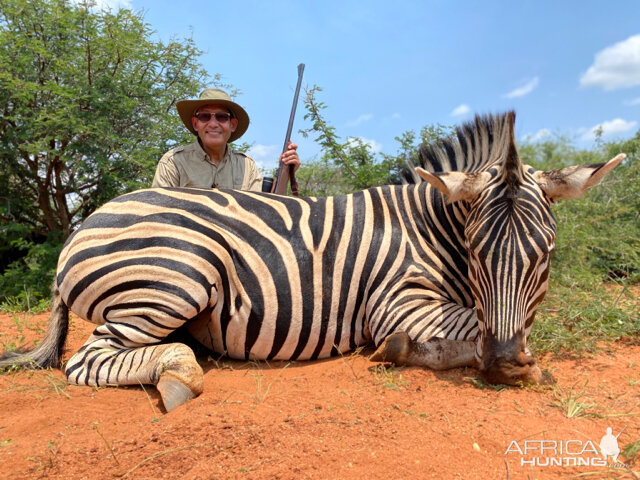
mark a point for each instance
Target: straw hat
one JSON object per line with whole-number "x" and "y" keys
{"x": 214, "y": 96}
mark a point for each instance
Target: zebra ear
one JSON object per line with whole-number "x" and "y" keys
{"x": 573, "y": 182}
{"x": 456, "y": 185}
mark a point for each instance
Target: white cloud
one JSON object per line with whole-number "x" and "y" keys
{"x": 539, "y": 135}
{"x": 617, "y": 66}
{"x": 523, "y": 90}
{"x": 109, "y": 4}
{"x": 612, "y": 127}
{"x": 264, "y": 154}
{"x": 460, "y": 110}
{"x": 396, "y": 116}
{"x": 633, "y": 102}
{"x": 376, "y": 147}
{"x": 114, "y": 4}
{"x": 362, "y": 118}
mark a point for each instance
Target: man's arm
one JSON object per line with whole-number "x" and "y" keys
{"x": 290, "y": 156}
{"x": 285, "y": 175}
{"x": 252, "y": 178}
{"x": 166, "y": 172}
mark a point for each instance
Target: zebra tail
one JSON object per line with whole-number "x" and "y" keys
{"x": 49, "y": 350}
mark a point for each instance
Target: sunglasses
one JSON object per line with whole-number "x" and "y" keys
{"x": 221, "y": 117}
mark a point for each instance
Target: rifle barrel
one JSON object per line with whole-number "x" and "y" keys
{"x": 293, "y": 107}
{"x": 625, "y": 427}
{"x": 277, "y": 187}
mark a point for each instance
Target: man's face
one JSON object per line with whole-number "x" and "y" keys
{"x": 214, "y": 134}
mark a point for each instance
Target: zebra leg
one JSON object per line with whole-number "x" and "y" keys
{"x": 111, "y": 356}
{"x": 436, "y": 353}
{"x": 438, "y": 335}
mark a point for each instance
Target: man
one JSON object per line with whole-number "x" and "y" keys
{"x": 209, "y": 162}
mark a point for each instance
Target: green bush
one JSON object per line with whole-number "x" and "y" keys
{"x": 26, "y": 283}
{"x": 599, "y": 234}
{"x": 596, "y": 264}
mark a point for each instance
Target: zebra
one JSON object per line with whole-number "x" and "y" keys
{"x": 440, "y": 273}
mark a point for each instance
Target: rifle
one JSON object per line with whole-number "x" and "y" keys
{"x": 625, "y": 427}
{"x": 286, "y": 173}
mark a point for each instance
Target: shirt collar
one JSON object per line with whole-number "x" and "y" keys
{"x": 205, "y": 156}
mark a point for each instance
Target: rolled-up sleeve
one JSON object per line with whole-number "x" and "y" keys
{"x": 167, "y": 174}
{"x": 252, "y": 176}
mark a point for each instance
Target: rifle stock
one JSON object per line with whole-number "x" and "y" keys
{"x": 285, "y": 173}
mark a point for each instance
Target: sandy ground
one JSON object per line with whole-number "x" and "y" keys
{"x": 344, "y": 418}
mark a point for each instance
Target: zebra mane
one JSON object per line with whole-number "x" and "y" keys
{"x": 474, "y": 146}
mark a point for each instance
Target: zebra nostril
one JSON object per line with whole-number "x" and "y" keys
{"x": 523, "y": 359}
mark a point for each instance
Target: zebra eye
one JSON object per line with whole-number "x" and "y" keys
{"x": 546, "y": 257}
{"x": 552, "y": 249}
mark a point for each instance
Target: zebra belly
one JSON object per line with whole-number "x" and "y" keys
{"x": 230, "y": 339}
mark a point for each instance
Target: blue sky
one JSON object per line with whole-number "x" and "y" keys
{"x": 386, "y": 67}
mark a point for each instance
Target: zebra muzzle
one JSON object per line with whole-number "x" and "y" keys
{"x": 510, "y": 373}
{"x": 508, "y": 362}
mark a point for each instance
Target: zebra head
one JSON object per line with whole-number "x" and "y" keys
{"x": 509, "y": 235}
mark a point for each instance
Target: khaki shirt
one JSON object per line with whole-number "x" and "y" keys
{"x": 190, "y": 166}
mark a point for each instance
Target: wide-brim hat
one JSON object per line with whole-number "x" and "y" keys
{"x": 214, "y": 96}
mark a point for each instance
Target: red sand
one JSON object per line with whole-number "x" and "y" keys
{"x": 342, "y": 418}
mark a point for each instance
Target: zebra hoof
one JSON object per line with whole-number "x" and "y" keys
{"x": 394, "y": 349}
{"x": 174, "y": 393}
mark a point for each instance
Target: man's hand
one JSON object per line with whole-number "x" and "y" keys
{"x": 290, "y": 156}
